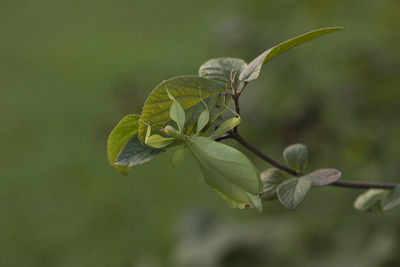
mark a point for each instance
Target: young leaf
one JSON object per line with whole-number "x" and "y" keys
{"x": 178, "y": 156}
{"x": 185, "y": 89}
{"x": 203, "y": 118}
{"x": 176, "y": 112}
{"x": 369, "y": 201}
{"x": 118, "y": 138}
{"x": 272, "y": 178}
{"x": 292, "y": 192}
{"x": 157, "y": 141}
{"x": 324, "y": 176}
{"x": 252, "y": 71}
{"x": 227, "y": 170}
{"x": 226, "y": 126}
{"x": 220, "y": 69}
{"x": 135, "y": 153}
{"x": 392, "y": 199}
{"x": 296, "y": 156}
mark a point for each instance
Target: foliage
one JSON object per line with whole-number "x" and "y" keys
{"x": 188, "y": 112}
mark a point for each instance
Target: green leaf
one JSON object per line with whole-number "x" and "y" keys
{"x": 186, "y": 90}
{"x": 272, "y": 178}
{"x": 157, "y": 141}
{"x": 178, "y": 156}
{"x": 369, "y": 201}
{"x": 252, "y": 71}
{"x": 324, "y": 176}
{"x": 135, "y": 153}
{"x": 176, "y": 112}
{"x": 226, "y": 126}
{"x": 220, "y": 69}
{"x": 292, "y": 192}
{"x": 392, "y": 199}
{"x": 118, "y": 138}
{"x": 227, "y": 171}
{"x": 204, "y": 118}
{"x": 296, "y": 156}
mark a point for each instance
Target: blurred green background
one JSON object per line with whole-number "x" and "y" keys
{"x": 70, "y": 70}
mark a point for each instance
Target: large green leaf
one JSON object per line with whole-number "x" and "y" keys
{"x": 220, "y": 69}
{"x": 187, "y": 90}
{"x": 296, "y": 156}
{"x": 324, "y": 176}
{"x": 252, "y": 71}
{"x": 370, "y": 200}
{"x": 227, "y": 171}
{"x": 119, "y": 136}
{"x": 135, "y": 153}
{"x": 292, "y": 192}
{"x": 392, "y": 199}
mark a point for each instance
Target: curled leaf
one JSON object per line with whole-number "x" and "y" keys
{"x": 370, "y": 200}
{"x": 392, "y": 199}
{"x": 271, "y": 179}
{"x": 296, "y": 156}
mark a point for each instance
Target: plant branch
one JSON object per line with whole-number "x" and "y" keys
{"x": 347, "y": 184}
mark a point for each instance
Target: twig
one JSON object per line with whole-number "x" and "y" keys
{"x": 347, "y": 184}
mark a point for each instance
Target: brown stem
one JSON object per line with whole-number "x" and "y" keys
{"x": 346, "y": 184}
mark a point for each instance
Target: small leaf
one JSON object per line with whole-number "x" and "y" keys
{"x": 135, "y": 153}
{"x": 296, "y": 156}
{"x": 178, "y": 156}
{"x": 227, "y": 171}
{"x": 324, "y": 176}
{"x": 157, "y": 141}
{"x": 186, "y": 90}
{"x": 220, "y": 69}
{"x": 118, "y": 138}
{"x": 369, "y": 201}
{"x": 176, "y": 112}
{"x": 226, "y": 126}
{"x": 292, "y": 192}
{"x": 203, "y": 120}
{"x": 252, "y": 71}
{"x": 392, "y": 199}
{"x": 272, "y": 178}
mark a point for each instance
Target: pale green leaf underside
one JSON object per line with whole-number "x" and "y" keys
{"x": 187, "y": 90}
{"x": 135, "y": 153}
{"x": 324, "y": 176}
{"x": 292, "y": 192}
{"x": 370, "y": 200}
{"x": 220, "y": 69}
{"x": 296, "y": 156}
{"x": 252, "y": 71}
{"x": 226, "y": 169}
{"x": 392, "y": 199}
{"x": 119, "y": 136}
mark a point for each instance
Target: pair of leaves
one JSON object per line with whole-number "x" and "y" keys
{"x": 378, "y": 200}
{"x": 221, "y": 69}
{"x": 292, "y": 191}
{"x": 229, "y": 172}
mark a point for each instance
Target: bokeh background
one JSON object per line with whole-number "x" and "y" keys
{"x": 70, "y": 70}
